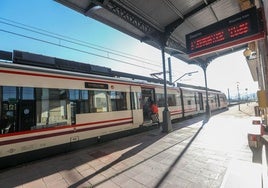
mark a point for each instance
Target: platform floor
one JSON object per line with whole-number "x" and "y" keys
{"x": 196, "y": 153}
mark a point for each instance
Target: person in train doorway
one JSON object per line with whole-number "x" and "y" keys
{"x": 154, "y": 110}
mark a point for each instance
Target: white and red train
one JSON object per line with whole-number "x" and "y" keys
{"x": 49, "y": 105}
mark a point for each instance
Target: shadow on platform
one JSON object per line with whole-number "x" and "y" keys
{"x": 71, "y": 160}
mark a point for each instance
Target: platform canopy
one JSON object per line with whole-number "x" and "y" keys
{"x": 162, "y": 22}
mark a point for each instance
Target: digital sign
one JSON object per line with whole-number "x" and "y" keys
{"x": 240, "y": 28}
{"x": 96, "y": 85}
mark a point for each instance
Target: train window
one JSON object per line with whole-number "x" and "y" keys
{"x": 9, "y": 93}
{"x": 84, "y": 95}
{"x": 80, "y": 98}
{"x": 189, "y": 102}
{"x": 118, "y": 100}
{"x": 160, "y": 100}
{"x": 9, "y": 107}
{"x": 74, "y": 94}
{"x": 27, "y": 93}
{"x": 171, "y": 100}
{"x": 51, "y": 108}
{"x": 98, "y": 101}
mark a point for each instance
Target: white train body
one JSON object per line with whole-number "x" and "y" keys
{"x": 51, "y": 111}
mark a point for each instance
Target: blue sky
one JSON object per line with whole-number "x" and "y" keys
{"x": 19, "y": 18}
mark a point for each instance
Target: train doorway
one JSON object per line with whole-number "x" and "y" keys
{"x": 218, "y": 101}
{"x": 148, "y": 95}
{"x": 201, "y": 103}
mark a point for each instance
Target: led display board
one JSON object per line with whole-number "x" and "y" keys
{"x": 239, "y": 28}
{"x": 96, "y": 85}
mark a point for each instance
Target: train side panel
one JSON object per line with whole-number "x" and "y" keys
{"x": 51, "y": 111}
{"x": 190, "y": 105}
{"x": 173, "y": 102}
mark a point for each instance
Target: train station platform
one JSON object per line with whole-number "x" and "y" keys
{"x": 197, "y": 153}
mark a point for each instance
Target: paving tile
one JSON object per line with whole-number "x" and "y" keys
{"x": 146, "y": 179}
{"x": 130, "y": 183}
{"x": 52, "y": 178}
{"x": 96, "y": 179}
{"x": 119, "y": 180}
{"x": 109, "y": 172}
{"x": 36, "y": 183}
{"x": 88, "y": 172}
{"x": 132, "y": 172}
{"x": 119, "y": 167}
{"x": 107, "y": 184}
{"x": 71, "y": 176}
{"x": 61, "y": 183}
{"x": 175, "y": 181}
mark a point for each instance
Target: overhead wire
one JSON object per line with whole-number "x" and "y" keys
{"x": 80, "y": 43}
{"x": 76, "y": 41}
{"x": 75, "y": 49}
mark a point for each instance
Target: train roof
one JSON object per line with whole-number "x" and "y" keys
{"x": 193, "y": 87}
{"x": 37, "y": 60}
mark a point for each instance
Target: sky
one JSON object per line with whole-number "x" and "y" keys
{"x": 48, "y": 28}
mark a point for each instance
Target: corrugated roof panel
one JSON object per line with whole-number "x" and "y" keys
{"x": 181, "y": 31}
{"x": 202, "y": 19}
{"x": 186, "y": 6}
{"x": 224, "y": 9}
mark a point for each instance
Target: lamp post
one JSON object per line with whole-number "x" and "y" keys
{"x": 167, "y": 126}
{"x": 246, "y": 95}
{"x": 238, "y": 95}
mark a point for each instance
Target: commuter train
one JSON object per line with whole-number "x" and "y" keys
{"x": 50, "y": 105}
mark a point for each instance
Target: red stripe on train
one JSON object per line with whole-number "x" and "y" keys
{"x": 73, "y": 130}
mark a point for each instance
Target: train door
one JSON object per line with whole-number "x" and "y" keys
{"x": 147, "y": 95}
{"x": 26, "y": 108}
{"x": 195, "y": 102}
{"x": 201, "y": 102}
{"x": 136, "y": 107}
{"x": 218, "y": 101}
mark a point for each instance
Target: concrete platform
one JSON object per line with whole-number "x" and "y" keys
{"x": 197, "y": 153}
{"x": 242, "y": 174}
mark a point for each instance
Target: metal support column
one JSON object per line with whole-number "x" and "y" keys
{"x": 169, "y": 70}
{"x": 167, "y": 126}
{"x": 208, "y": 111}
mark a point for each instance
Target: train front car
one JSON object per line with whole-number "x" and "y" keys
{"x": 46, "y": 111}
